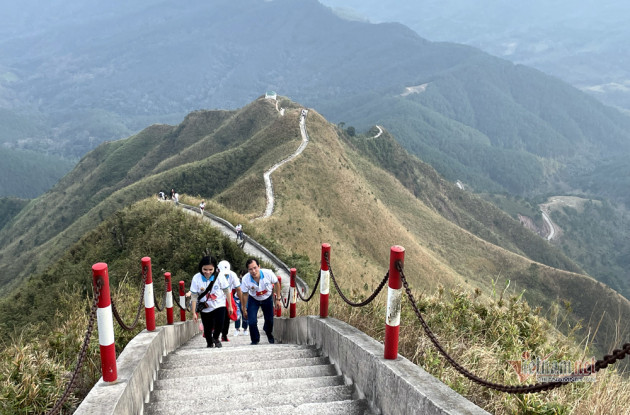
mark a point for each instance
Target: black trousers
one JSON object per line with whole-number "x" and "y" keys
{"x": 226, "y": 324}
{"x": 213, "y": 324}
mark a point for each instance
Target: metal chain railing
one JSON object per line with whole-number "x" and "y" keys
{"x": 307, "y": 299}
{"x": 86, "y": 341}
{"x": 344, "y": 298}
{"x": 286, "y": 305}
{"x": 157, "y": 307}
{"x": 617, "y": 354}
{"x": 137, "y": 319}
{"x": 187, "y": 302}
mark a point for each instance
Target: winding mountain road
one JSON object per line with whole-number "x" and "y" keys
{"x": 552, "y": 230}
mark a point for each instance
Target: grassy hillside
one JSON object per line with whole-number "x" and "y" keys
{"x": 460, "y": 207}
{"x": 452, "y": 238}
{"x": 437, "y": 250}
{"x": 593, "y": 223}
{"x": 45, "y": 341}
{"x": 39, "y": 348}
{"x": 340, "y": 190}
{"x": 28, "y": 174}
{"x": 9, "y": 207}
{"x": 174, "y": 242}
{"x": 103, "y": 181}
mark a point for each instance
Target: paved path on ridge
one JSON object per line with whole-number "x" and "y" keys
{"x": 251, "y": 247}
{"x": 267, "y": 174}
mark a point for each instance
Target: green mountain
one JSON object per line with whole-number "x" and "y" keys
{"x": 492, "y": 124}
{"x": 9, "y": 207}
{"x": 581, "y": 43}
{"x": 28, "y": 173}
{"x": 361, "y": 194}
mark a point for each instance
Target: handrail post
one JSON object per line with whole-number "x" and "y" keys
{"x": 169, "y": 298}
{"x": 278, "y": 310}
{"x": 182, "y": 302}
{"x": 324, "y": 283}
{"x": 292, "y": 294}
{"x": 105, "y": 323}
{"x": 394, "y": 298}
{"x": 149, "y": 303}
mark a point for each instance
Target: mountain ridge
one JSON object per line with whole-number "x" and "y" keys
{"x": 529, "y": 119}
{"x": 378, "y": 196}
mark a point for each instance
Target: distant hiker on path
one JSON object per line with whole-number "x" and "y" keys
{"x": 176, "y": 199}
{"x": 202, "y": 206}
{"x": 257, "y": 286}
{"x": 172, "y": 194}
{"x": 239, "y": 232}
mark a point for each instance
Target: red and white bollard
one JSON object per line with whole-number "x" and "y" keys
{"x": 169, "y": 298}
{"x": 149, "y": 303}
{"x": 324, "y": 282}
{"x": 292, "y": 294}
{"x": 105, "y": 323}
{"x": 182, "y": 302}
{"x": 394, "y": 298}
{"x": 278, "y": 310}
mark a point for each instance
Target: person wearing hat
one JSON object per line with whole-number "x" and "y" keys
{"x": 234, "y": 284}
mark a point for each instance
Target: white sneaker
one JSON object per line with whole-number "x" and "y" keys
{"x": 236, "y": 332}
{"x": 245, "y": 332}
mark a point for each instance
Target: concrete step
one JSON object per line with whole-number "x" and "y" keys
{"x": 347, "y": 407}
{"x": 204, "y": 356}
{"x": 238, "y": 353}
{"x": 200, "y": 341}
{"x": 212, "y": 366}
{"x": 209, "y": 401}
{"x": 240, "y": 378}
{"x": 286, "y": 374}
{"x": 175, "y": 392}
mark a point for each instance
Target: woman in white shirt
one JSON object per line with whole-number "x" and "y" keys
{"x": 212, "y": 301}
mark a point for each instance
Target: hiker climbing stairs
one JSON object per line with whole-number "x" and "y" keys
{"x": 240, "y": 378}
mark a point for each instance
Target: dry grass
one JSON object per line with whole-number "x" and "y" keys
{"x": 332, "y": 194}
{"x": 482, "y": 337}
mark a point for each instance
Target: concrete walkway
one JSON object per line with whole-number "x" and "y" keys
{"x": 243, "y": 379}
{"x": 267, "y": 175}
{"x": 253, "y": 248}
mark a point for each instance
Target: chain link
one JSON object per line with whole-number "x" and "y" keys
{"x": 286, "y": 305}
{"x": 157, "y": 307}
{"x": 617, "y": 354}
{"x": 86, "y": 341}
{"x": 186, "y": 302}
{"x": 305, "y": 299}
{"x": 137, "y": 319}
{"x": 344, "y": 298}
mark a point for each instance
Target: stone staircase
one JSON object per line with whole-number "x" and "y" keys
{"x": 243, "y": 379}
